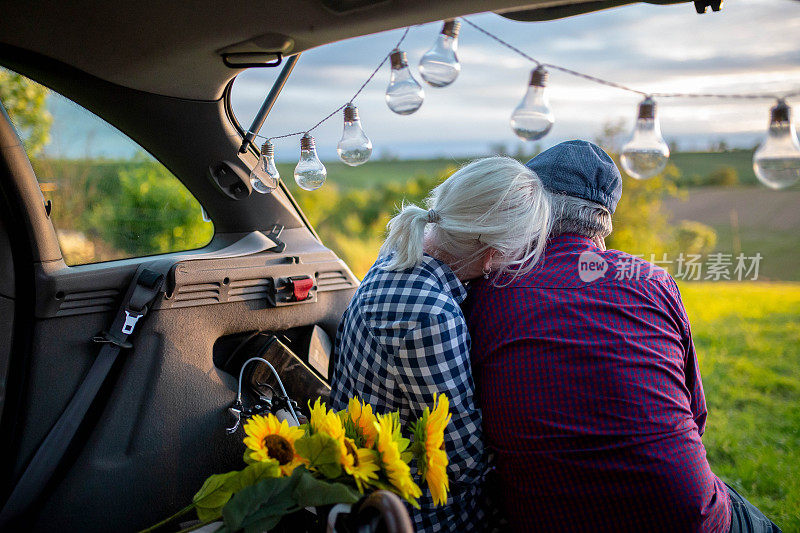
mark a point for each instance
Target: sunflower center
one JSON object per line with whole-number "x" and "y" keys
{"x": 351, "y": 450}
{"x": 279, "y": 449}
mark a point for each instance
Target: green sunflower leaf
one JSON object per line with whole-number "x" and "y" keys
{"x": 322, "y": 453}
{"x": 253, "y": 474}
{"x": 402, "y": 444}
{"x": 213, "y": 495}
{"x": 260, "y": 506}
{"x": 247, "y": 458}
{"x": 352, "y": 431}
{"x": 258, "y": 524}
{"x": 312, "y": 492}
{"x": 330, "y": 470}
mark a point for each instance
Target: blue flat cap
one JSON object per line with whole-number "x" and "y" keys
{"x": 581, "y": 169}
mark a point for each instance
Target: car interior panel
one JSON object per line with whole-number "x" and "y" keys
{"x": 155, "y": 71}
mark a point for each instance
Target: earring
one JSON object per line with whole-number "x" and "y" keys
{"x": 486, "y": 272}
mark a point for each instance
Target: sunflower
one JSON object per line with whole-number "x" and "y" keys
{"x": 269, "y": 439}
{"x": 360, "y": 463}
{"x": 429, "y": 448}
{"x": 359, "y": 423}
{"x": 325, "y": 421}
{"x": 329, "y": 425}
{"x": 390, "y": 446}
{"x": 356, "y": 461}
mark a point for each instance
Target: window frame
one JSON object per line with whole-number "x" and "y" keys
{"x": 133, "y": 258}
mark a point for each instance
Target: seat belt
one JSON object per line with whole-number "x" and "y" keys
{"x": 147, "y": 283}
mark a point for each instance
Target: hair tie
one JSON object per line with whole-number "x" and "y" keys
{"x": 433, "y": 217}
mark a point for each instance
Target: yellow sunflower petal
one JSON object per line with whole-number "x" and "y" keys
{"x": 397, "y": 470}
{"x": 437, "y": 422}
{"x": 361, "y": 464}
{"x": 436, "y": 477}
{"x": 363, "y": 419}
{"x": 318, "y": 412}
{"x": 429, "y": 447}
{"x": 288, "y": 468}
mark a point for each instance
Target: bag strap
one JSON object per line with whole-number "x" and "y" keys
{"x": 146, "y": 285}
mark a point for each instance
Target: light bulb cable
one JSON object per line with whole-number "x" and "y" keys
{"x": 277, "y": 378}
{"x": 595, "y": 79}
{"x": 349, "y": 102}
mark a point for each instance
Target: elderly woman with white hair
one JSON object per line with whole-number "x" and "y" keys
{"x": 403, "y": 338}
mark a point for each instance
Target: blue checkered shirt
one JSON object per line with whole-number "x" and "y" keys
{"x": 403, "y": 338}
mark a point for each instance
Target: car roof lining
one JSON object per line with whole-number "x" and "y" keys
{"x": 175, "y": 48}
{"x": 544, "y": 13}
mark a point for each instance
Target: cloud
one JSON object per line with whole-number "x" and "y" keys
{"x": 750, "y": 46}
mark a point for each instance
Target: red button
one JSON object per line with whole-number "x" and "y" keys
{"x": 301, "y": 285}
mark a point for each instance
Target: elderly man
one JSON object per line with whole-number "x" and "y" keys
{"x": 588, "y": 378}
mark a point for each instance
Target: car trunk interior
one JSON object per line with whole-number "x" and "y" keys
{"x": 155, "y": 70}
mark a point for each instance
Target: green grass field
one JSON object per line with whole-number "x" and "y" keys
{"x": 377, "y": 171}
{"x": 689, "y": 163}
{"x": 703, "y": 163}
{"x": 747, "y": 337}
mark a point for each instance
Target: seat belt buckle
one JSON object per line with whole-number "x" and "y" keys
{"x": 131, "y": 318}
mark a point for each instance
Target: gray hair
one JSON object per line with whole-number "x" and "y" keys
{"x": 576, "y": 215}
{"x": 496, "y": 202}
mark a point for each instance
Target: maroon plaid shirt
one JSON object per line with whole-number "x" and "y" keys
{"x": 591, "y": 396}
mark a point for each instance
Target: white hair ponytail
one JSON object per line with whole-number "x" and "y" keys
{"x": 404, "y": 240}
{"x": 493, "y": 203}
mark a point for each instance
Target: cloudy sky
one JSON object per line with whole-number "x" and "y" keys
{"x": 750, "y": 46}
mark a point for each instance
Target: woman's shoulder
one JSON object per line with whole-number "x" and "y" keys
{"x": 381, "y": 277}
{"x": 415, "y": 290}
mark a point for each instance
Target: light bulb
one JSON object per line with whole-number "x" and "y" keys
{"x": 309, "y": 173}
{"x": 532, "y": 118}
{"x": 355, "y": 147}
{"x": 777, "y": 161}
{"x": 403, "y": 95}
{"x": 265, "y": 176}
{"x": 645, "y": 154}
{"x": 439, "y": 66}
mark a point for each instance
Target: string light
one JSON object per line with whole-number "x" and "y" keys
{"x": 307, "y": 178}
{"x": 439, "y": 66}
{"x": 404, "y": 95}
{"x": 265, "y": 176}
{"x": 532, "y": 118}
{"x": 354, "y": 148}
{"x": 777, "y": 161}
{"x": 645, "y": 154}
{"x": 309, "y": 173}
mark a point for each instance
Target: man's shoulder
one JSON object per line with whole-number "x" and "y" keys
{"x": 635, "y": 275}
{"x": 636, "y": 267}
{"x": 583, "y": 269}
